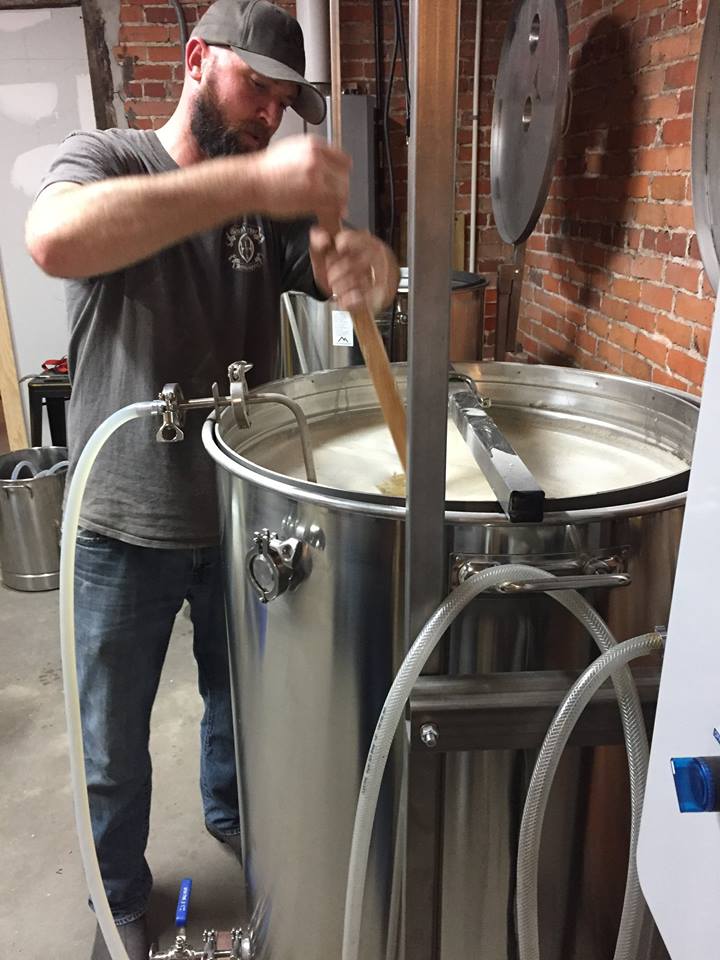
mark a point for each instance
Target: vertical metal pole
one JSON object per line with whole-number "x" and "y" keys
{"x": 431, "y": 190}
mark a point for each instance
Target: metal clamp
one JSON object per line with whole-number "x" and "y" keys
{"x": 173, "y": 414}
{"x": 273, "y": 565}
{"x": 239, "y": 392}
{"x": 175, "y": 407}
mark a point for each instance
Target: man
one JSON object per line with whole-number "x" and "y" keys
{"x": 176, "y": 245}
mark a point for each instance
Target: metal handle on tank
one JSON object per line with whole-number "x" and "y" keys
{"x": 566, "y": 583}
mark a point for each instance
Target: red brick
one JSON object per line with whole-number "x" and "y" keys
{"x": 670, "y": 48}
{"x": 148, "y": 33}
{"x": 617, "y": 309}
{"x": 652, "y": 158}
{"x": 679, "y": 334}
{"x": 659, "y": 108}
{"x": 648, "y": 268}
{"x": 655, "y": 350}
{"x": 701, "y": 340}
{"x": 149, "y": 108}
{"x": 679, "y": 215}
{"x": 680, "y": 275}
{"x": 668, "y": 188}
{"x": 686, "y": 366}
{"x": 164, "y": 54}
{"x": 699, "y": 309}
{"x": 666, "y": 380}
{"x": 611, "y": 353}
{"x": 635, "y": 367}
{"x": 598, "y": 325}
{"x": 624, "y": 337}
{"x": 626, "y": 289}
{"x": 653, "y": 295}
{"x": 678, "y": 158}
{"x": 639, "y": 317}
{"x": 147, "y": 71}
{"x": 676, "y": 131}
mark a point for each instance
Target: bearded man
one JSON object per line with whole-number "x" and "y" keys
{"x": 176, "y": 245}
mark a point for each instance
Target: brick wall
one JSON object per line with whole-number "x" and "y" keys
{"x": 613, "y": 278}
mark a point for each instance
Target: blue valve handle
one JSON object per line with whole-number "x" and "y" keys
{"x": 183, "y": 904}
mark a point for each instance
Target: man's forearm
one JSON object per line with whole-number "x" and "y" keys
{"x": 96, "y": 228}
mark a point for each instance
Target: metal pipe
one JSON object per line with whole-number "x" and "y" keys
{"x": 295, "y": 331}
{"x": 312, "y": 15}
{"x": 302, "y": 423}
{"x": 472, "y": 256}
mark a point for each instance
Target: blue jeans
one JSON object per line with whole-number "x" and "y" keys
{"x": 126, "y": 600}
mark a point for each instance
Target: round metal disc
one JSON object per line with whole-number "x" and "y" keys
{"x": 706, "y": 147}
{"x": 528, "y": 113}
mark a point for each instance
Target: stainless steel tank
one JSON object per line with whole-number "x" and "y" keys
{"x": 311, "y": 667}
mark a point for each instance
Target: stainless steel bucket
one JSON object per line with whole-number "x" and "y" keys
{"x": 314, "y": 335}
{"x": 30, "y": 516}
{"x": 310, "y": 669}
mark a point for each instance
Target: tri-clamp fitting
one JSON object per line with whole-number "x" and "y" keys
{"x": 175, "y": 406}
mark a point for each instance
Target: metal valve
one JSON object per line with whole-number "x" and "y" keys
{"x": 273, "y": 565}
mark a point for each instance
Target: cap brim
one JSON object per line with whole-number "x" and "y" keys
{"x": 309, "y": 103}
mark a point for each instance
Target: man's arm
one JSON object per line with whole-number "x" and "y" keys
{"x": 82, "y": 230}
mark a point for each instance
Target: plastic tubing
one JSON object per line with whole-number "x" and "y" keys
{"x": 541, "y": 781}
{"x": 392, "y": 711}
{"x": 71, "y": 520}
{"x": 19, "y": 467}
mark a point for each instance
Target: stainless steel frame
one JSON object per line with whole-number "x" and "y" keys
{"x": 434, "y": 29}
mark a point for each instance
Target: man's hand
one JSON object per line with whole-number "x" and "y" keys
{"x": 302, "y": 176}
{"x": 356, "y": 268}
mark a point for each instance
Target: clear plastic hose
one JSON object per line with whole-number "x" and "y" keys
{"x": 392, "y": 711}
{"x": 538, "y": 793}
{"x": 71, "y": 520}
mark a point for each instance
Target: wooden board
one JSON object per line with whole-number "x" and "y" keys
{"x": 9, "y": 386}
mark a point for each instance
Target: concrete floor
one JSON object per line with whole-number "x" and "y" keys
{"x": 43, "y": 910}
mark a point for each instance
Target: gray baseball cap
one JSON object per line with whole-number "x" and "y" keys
{"x": 269, "y": 40}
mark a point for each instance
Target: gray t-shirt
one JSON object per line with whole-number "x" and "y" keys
{"x": 181, "y": 316}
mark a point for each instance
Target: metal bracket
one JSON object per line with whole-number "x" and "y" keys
{"x": 563, "y": 567}
{"x": 512, "y": 711}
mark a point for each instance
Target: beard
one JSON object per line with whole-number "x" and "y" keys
{"x": 215, "y": 138}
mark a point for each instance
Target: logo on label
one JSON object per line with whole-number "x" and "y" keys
{"x": 245, "y": 244}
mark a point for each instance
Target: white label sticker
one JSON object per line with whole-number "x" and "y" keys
{"x": 342, "y": 329}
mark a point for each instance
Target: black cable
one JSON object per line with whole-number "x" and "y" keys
{"x": 179, "y": 13}
{"x": 386, "y": 138}
{"x": 400, "y": 21}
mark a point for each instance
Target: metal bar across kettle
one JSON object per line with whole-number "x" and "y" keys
{"x": 516, "y": 489}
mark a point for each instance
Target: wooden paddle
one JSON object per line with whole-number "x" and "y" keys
{"x": 366, "y": 330}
